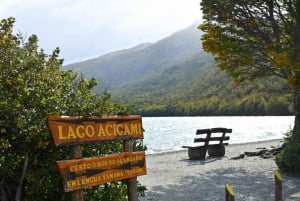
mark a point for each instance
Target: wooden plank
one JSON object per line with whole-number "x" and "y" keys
{"x": 76, "y": 153}
{"x": 221, "y": 130}
{"x": 197, "y": 145}
{"x": 203, "y": 131}
{"x": 211, "y": 139}
{"x": 278, "y": 186}
{"x": 212, "y": 145}
{"x": 87, "y": 172}
{"x": 131, "y": 182}
{"x": 213, "y": 130}
{"x": 68, "y": 130}
{"x": 229, "y": 193}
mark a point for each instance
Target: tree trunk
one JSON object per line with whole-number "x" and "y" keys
{"x": 2, "y": 191}
{"x": 296, "y": 129}
{"x": 20, "y": 186}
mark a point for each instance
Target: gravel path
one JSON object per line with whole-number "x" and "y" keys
{"x": 173, "y": 177}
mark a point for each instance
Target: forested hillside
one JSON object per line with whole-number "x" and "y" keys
{"x": 174, "y": 76}
{"x": 198, "y": 87}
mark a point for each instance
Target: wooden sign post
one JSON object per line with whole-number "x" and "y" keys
{"x": 278, "y": 186}
{"x": 131, "y": 182}
{"x": 80, "y": 173}
{"x": 76, "y": 153}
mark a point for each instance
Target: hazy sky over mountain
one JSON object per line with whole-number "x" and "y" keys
{"x": 88, "y": 28}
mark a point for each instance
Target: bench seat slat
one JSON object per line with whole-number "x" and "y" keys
{"x": 202, "y": 131}
{"x": 213, "y": 130}
{"x": 210, "y": 145}
{"x": 212, "y": 139}
{"x": 221, "y": 130}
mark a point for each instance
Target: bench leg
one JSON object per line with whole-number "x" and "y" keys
{"x": 216, "y": 151}
{"x": 197, "y": 153}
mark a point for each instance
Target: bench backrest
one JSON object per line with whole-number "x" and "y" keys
{"x": 215, "y": 135}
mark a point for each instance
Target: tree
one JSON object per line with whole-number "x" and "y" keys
{"x": 256, "y": 38}
{"x": 33, "y": 86}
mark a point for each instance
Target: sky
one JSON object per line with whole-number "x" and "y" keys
{"x": 85, "y": 29}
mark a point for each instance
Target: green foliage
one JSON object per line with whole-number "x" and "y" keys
{"x": 198, "y": 87}
{"x": 252, "y": 39}
{"x": 32, "y": 87}
{"x": 289, "y": 158}
{"x": 112, "y": 191}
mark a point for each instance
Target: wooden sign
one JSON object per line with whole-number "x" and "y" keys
{"x": 86, "y": 172}
{"x": 68, "y": 130}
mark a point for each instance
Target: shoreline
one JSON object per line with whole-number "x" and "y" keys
{"x": 172, "y": 176}
{"x": 235, "y": 144}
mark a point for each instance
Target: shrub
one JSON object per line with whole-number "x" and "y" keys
{"x": 33, "y": 86}
{"x": 289, "y": 158}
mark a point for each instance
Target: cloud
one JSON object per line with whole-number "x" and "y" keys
{"x": 88, "y": 28}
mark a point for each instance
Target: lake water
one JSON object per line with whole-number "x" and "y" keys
{"x": 163, "y": 134}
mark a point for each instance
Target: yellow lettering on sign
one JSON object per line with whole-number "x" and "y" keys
{"x": 71, "y": 133}
{"x": 112, "y": 176}
{"x": 79, "y": 131}
{"x": 90, "y": 131}
{"x": 119, "y": 129}
{"x": 101, "y": 131}
{"x": 84, "y": 181}
{"x": 135, "y": 128}
{"x": 109, "y": 129}
{"x": 134, "y": 171}
{"x": 60, "y": 133}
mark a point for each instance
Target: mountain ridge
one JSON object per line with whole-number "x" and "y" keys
{"x": 115, "y": 69}
{"x": 174, "y": 76}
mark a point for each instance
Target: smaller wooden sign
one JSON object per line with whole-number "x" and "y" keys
{"x": 87, "y": 172}
{"x": 68, "y": 130}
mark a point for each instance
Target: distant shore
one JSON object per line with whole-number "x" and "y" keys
{"x": 172, "y": 176}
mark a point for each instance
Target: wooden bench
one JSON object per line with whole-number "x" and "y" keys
{"x": 213, "y": 142}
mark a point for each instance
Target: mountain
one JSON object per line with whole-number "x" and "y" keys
{"x": 174, "y": 76}
{"x": 114, "y": 70}
{"x": 197, "y": 87}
